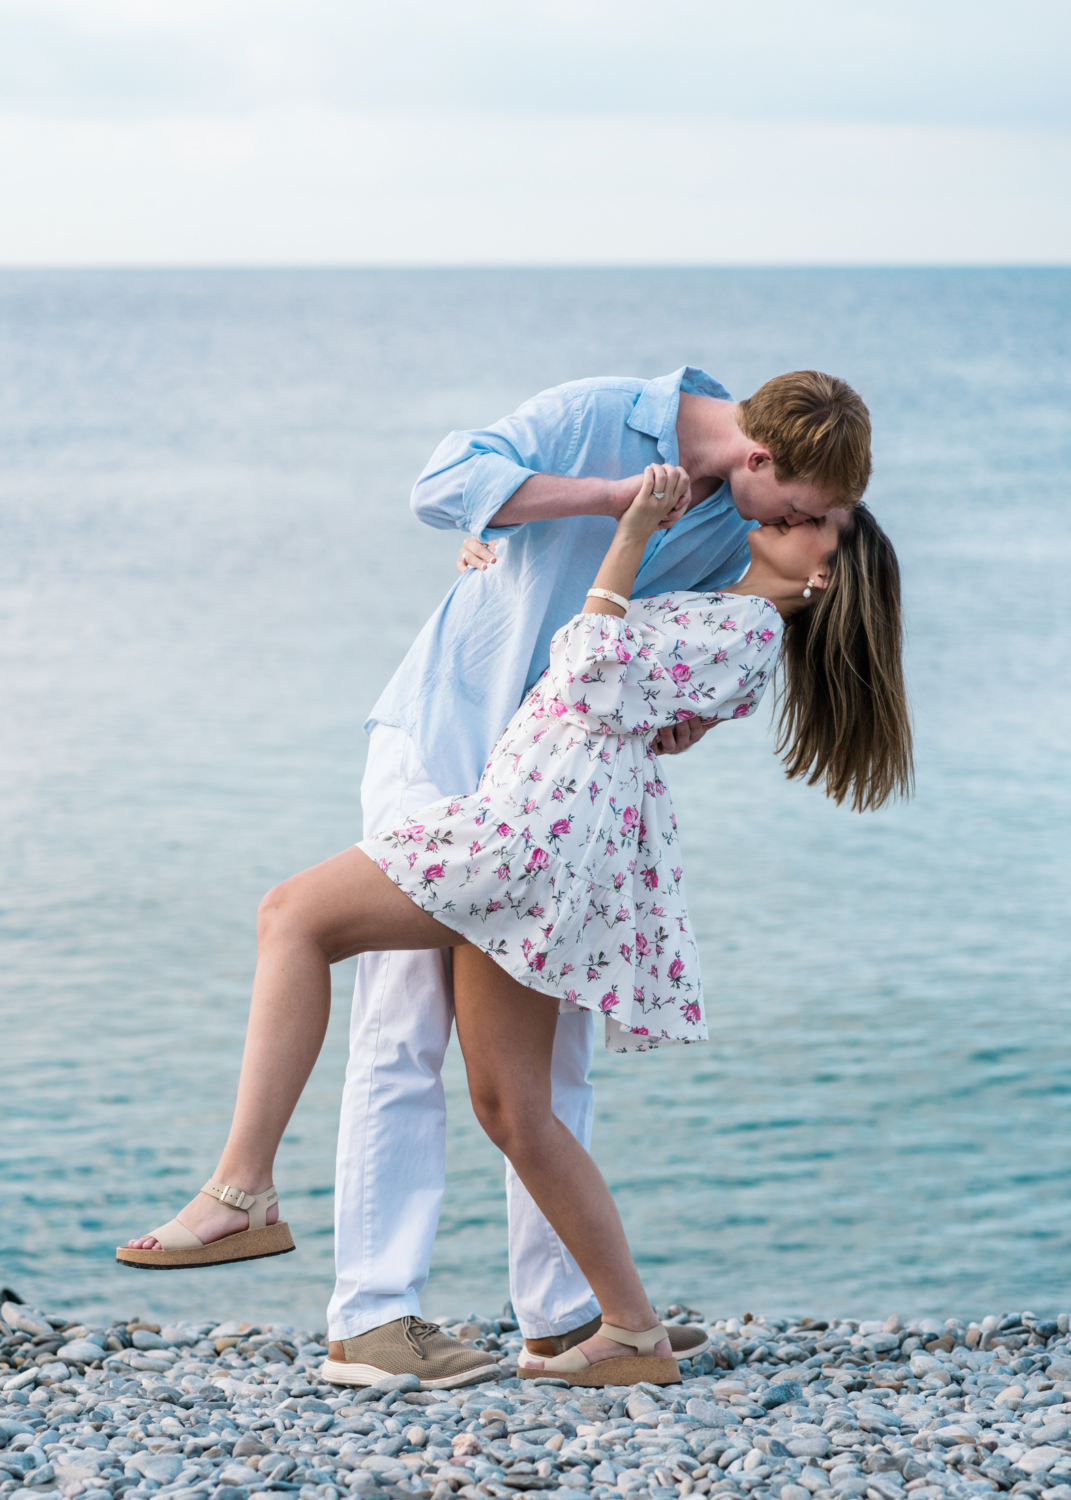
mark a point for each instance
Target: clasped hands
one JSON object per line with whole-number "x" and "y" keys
{"x": 675, "y": 738}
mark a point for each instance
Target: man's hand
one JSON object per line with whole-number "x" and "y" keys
{"x": 679, "y": 737}
{"x": 476, "y": 554}
{"x": 624, "y": 491}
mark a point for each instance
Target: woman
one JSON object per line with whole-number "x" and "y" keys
{"x": 559, "y": 880}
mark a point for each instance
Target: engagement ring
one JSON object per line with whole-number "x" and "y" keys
{"x": 660, "y": 494}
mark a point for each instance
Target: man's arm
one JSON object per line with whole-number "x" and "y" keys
{"x": 550, "y": 497}
{"x": 512, "y": 472}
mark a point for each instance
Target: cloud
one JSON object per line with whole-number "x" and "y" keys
{"x": 332, "y": 187}
{"x": 612, "y": 131}
{"x": 959, "y": 62}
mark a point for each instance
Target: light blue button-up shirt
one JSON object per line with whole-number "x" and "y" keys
{"x": 489, "y": 641}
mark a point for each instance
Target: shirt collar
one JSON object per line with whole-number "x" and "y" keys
{"x": 655, "y": 413}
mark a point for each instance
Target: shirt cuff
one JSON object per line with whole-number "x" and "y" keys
{"x": 492, "y": 481}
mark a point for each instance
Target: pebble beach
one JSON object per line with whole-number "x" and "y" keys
{"x": 775, "y": 1409}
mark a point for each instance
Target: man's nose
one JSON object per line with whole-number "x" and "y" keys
{"x": 794, "y": 518}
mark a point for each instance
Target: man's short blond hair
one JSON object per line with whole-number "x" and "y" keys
{"x": 816, "y": 427}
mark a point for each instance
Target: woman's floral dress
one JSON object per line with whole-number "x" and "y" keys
{"x": 564, "y": 864}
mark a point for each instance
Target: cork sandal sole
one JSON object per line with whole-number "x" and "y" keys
{"x": 626, "y": 1369}
{"x": 247, "y": 1244}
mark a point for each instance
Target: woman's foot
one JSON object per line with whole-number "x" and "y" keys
{"x": 599, "y": 1347}
{"x": 210, "y": 1220}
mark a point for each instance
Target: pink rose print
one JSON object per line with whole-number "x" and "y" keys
{"x": 560, "y": 828}
{"x": 474, "y": 848}
{"x": 540, "y": 860}
{"x": 503, "y": 872}
{"x": 384, "y": 865}
{"x": 684, "y": 713}
{"x": 536, "y": 911}
{"x": 642, "y": 945}
{"x": 431, "y": 846}
{"x": 681, "y": 673}
{"x": 558, "y": 708}
{"x": 619, "y": 881}
{"x": 572, "y": 996}
{"x": 453, "y": 810}
{"x": 493, "y": 906}
{"x": 503, "y": 830}
{"x": 650, "y": 878}
{"x": 567, "y": 969}
{"x": 727, "y": 625}
{"x": 626, "y": 953}
{"x": 608, "y": 1002}
{"x": 765, "y": 635}
{"x": 690, "y": 1011}
{"x": 640, "y": 1031}
{"x": 677, "y": 872}
{"x": 412, "y": 834}
{"x": 593, "y": 790}
{"x": 630, "y": 817}
{"x": 537, "y": 961}
{"x": 676, "y": 969}
{"x": 434, "y": 872}
{"x": 621, "y": 653}
{"x": 742, "y": 710}
{"x": 530, "y": 805}
{"x": 721, "y": 655}
{"x": 611, "y": 847}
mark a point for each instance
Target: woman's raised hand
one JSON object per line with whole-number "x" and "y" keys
{"x": 660, "y": 502}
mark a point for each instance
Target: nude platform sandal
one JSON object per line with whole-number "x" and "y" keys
{"x": 623, "y": 1369}
{"x": 182, "y": 1248}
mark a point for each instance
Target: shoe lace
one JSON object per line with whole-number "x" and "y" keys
{"x": 416, "y": 1330}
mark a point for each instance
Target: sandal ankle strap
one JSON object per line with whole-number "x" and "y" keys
{"x": 256, "y": 1205}
{"x": 643, "y": 1343}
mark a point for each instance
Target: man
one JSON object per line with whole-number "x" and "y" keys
{"x": 552, "y": 478}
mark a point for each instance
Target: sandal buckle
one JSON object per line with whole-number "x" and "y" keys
{"x": 233, "y": 1197}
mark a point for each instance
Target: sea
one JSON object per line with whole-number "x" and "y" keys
{"x": 208, "y": 571}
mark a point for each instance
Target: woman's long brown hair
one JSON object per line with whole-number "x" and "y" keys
{"x": 844, "y": 718}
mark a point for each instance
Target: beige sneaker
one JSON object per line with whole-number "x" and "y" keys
{"x": 408, "y": 1346}
{"x": 687, "y": 1340}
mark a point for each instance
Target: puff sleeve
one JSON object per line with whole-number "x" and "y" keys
{"x": 706, "y": 656}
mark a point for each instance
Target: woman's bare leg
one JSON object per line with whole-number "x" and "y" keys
{"x": 507, "y": 1037}
{"x": 344, "y": 906}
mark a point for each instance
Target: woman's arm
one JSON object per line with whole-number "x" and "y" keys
{"x": 663, "y": 492}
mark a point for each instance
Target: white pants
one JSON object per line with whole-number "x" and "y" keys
{"x": 391, "y": 1167}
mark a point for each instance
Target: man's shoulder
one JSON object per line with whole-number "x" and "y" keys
{"x": 593, "y": 389}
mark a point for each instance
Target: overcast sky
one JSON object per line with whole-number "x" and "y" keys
{"x": 554, "y": 131}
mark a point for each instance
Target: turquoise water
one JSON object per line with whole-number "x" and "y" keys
{"x": 208, "y": 569}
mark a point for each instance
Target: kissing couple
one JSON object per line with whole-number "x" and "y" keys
{"x": 661, "y": 550}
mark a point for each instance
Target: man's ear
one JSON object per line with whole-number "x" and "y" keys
{"x": 758, "y": 458}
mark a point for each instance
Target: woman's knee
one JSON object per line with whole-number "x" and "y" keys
{"x": 277, "y": 911}
{"x": 511, "y": 1118}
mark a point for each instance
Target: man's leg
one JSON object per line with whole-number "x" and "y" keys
{"x": 550, "y": 1294}
{"x": 391, "y": 1164}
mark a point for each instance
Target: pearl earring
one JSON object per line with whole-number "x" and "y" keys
{"x": 807, "y": 590}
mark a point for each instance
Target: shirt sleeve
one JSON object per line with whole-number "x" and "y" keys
{"x": 471, "y": 475}
{"x": 614, "y": 676}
